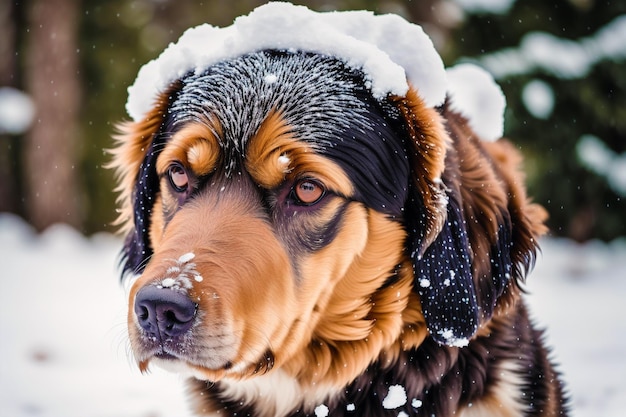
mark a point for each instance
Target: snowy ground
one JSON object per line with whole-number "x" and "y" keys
{"x": 64, "y": 353}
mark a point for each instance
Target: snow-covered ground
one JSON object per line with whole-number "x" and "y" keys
{"x": 64, "y": 352}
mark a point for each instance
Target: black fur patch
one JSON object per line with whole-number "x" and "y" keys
{"x": 443, "y": 277}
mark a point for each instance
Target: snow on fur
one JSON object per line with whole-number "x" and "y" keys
{"x": 396, "y": 397}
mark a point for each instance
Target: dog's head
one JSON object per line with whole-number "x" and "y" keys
{"x": 279, "y": 215}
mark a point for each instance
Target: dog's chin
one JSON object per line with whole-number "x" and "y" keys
{"x": 183, "y": 368}
{"x": 187, "y": 369}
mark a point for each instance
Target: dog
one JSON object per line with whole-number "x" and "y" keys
{"x": 300, "y": 246}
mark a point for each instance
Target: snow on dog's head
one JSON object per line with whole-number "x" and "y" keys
{"x": 389, "y": 50}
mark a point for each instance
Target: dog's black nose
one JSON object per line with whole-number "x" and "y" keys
{"x": 163, "y": 312}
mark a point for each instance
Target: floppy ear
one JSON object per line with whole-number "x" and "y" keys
{"x": 137, "y": 247}
{"x": 459, "y": 217}
{"x": 437, "y": 237}
{"x": 134, "y": 162}
{"x": 443, "y": 278}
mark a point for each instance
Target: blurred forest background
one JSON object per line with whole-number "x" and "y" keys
{"x": 65, "y": 66}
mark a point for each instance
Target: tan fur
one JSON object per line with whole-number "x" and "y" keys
{"x": 274, "y": 140}
{"x": 157, "y": 226}
{"x": 509, "y": 160}
{"x": 430, "y": 142}
{"x": 227, "y": 294}
{"x": 360, "y": 320}
{"x": 504, "y": 399}
{"x": 273, "y": 393}
{"x": 132, "y": 143}
{"x": 196, "y": 146}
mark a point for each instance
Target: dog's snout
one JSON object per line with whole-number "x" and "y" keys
{"x": 163, "y": 312}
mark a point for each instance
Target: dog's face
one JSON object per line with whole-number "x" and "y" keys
{"x": 280, "y": 216}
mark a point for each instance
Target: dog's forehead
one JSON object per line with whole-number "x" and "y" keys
{"x": 326, "y": 104}
{"x": 318, "y": 96}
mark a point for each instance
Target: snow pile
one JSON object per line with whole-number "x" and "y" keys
{"x": 178, "y": 276}
{"x": 451, "y": 339}
{"x": 476, "y": 96}
{"x": 386, "y": 48}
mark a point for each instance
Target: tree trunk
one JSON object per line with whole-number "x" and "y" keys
{"x": 8, "y": 44}
{"x": 52, "y": 192}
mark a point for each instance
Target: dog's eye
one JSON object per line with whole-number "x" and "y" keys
{"x": 308, "y": 191}
{"x": 178, "y": 177}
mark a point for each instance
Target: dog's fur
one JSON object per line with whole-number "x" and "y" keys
{"x": 404, "y": 275}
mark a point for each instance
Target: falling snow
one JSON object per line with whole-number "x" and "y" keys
{"x": 30, "y": 385}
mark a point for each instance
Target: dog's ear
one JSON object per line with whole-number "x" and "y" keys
{"x": 134, "y": 162}
{"x": 459, "y": 216}
{"x": 137, "y": 247}
{"x": 443, "y": 278}
{"x": 437, "y": 238}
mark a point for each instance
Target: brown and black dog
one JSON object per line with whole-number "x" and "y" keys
{"x": 302, "y": 248}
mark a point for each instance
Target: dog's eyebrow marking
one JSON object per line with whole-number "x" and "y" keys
{"x": 274, "y": 152}
{"x": 268, "y": 157}
{"x": 197, "y": 145}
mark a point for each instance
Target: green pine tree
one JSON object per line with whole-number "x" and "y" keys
{"x": 582, "y": 201}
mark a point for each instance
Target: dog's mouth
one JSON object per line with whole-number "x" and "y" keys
{"x": 166, "y": 356}
{"x": 213, "y": 368}
{"x": 149, "y": 349}
{"x": 210, "y": 353}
